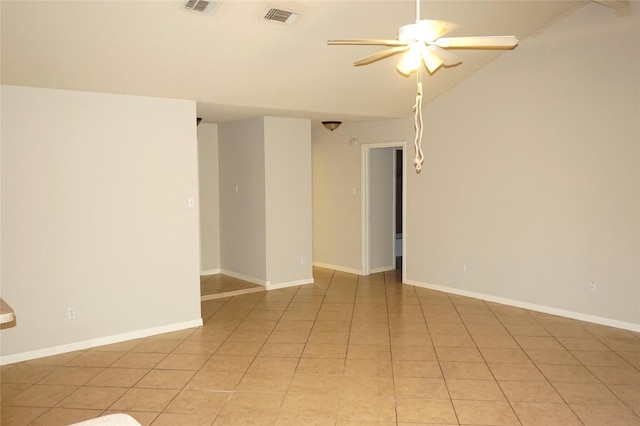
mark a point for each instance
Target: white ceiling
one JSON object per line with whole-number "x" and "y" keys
{"x": 235, "y": 64}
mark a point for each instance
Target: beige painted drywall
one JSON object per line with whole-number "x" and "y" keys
{"x": 209, "y": 198}
{"x": 288, "y": 200}
{"x": 95, "y": 217}
{"x": 381, "y": 209}
{"x": 265, "y": 200}
{"x": 531, "y": 179}
{"x": 242, "y": 199}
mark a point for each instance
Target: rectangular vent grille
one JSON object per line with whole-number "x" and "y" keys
{"x": 201, "y": 6}
{"x": 280, "y": 15}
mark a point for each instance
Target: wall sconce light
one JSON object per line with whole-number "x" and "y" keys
{"x": 331, "y": 125}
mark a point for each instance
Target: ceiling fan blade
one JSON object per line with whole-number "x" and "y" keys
{"x": 380, "y": 55}
{"x": 364, "y": 41}
{"x": 487, "y": 42}
{"x": 448, "y": 58}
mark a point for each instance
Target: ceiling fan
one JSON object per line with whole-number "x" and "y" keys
{"x": 423, "y": 42}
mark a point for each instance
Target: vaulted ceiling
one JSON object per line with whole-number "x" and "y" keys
{"x": 236, "y": 64}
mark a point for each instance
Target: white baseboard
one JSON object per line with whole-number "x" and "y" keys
{"x": 243, "y": 277}
{"x": 531, "y": 306}
{"x": 101, "y": 341}
{"x": 209, "y": 272}
{"x": 275, "y": 286}
{"x": 337, "y": 268}
{"x": 383, "y": 269}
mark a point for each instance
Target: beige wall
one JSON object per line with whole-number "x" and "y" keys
{"x": 531, "y": 177}
{"x": 265, "y": 226}
{"x": 288, "y": 201}
{"x": 95, "y": 216}
{"x": 242, "y": 199}
{"x": 209, "y": 198}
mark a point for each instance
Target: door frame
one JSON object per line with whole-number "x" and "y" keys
{"x": 365, "y": 175}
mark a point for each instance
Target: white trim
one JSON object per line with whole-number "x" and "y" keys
{"x": 101, "y": 341}
{"x": 382, "y": 269}
{"x": 276, "y": 286}
{"x": 210, "y": 272}
{"x": 337, "y": 268}
{"x": 531, "y": 306}
{"x": 364, "y": 209}
{"x": 245, "y": 278}
{"x": 232, "y": 293}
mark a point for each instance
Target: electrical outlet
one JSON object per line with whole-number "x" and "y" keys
{"x": 593, "y": 286}
{"x": 303, "y": 260}
{"x": 71, "y": 313}
{"x": 463, "y": 269}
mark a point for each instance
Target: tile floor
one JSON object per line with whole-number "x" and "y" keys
{"x": 218, "y": 286}
{"x": 347, "y": 350}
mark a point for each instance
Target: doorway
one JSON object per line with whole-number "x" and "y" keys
{"x": 383, "y": 207}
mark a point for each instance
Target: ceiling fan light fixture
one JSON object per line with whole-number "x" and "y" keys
{"x": 411, "y": 60}
{"x": 431, "y": 61}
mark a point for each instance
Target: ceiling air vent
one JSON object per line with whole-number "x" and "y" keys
{"x": 280, "y": 15}
{"x": 201, "y": 6}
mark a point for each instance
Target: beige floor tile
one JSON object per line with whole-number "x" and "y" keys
{"x": 311, "y": 383}
{"x": 453, "y": 354}
{"x": 65, "y": 416}
{"x": 466, "y": 370}
{"x": 274, "y": 365}
{"x": 347, "y": 350}
{"x": 118, "y": 377}
{"x": 198, "y": 402}
{"x": 228, "y": 363}
{"x": 321, "y": 366}
{"x": 625, "y": 375}
{"x": 423, "y": 410}
{"x": 356, "y": 351}
{"x": 368, "y": 367}
{"x": 559, "y": 357}
{"x": 253, "y": 404}
{"x": 325, "y": 350}
{"x": 139, "y": 360}
{"x": 184, "y": 419}
{"x": 71, "y": 376}
{"x": 163, "y": 346}
{"x": 428, "y": 369}
{"x": 264, "y": 382}
{"x": 41, "y": 396}
{"x": 215, "y": 380}
{"x": 420, "y": 387}
{"x": 586, "y": 393}
{"x": 95, "y": 359}
{"x": 367, "y": 408}
{"x": 239, "y": 348}
{"x": 599, "y": 415}
{"x": 281, "y": 350}
{"x": 371, "y": 386}
{"x": 516, "y": 372}
{"x": 138, "y": 399}
{"x": 165, "y": 379}
{"x": 600, "y": 358}
{"x": 90, "y": 397}
{"x": 567, "y": 373}
{"x": 310, "y": 405}
{"x": 479, "y": 390}
{"x": 20, "y": 416}
{"x": 485, "y": 413}
{"x": 524, "y": 391}
{"x": 505, "y": 355}
{"x": 545, "y": 414}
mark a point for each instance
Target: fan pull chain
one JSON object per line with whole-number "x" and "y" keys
{"x": 417, "y": 163}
